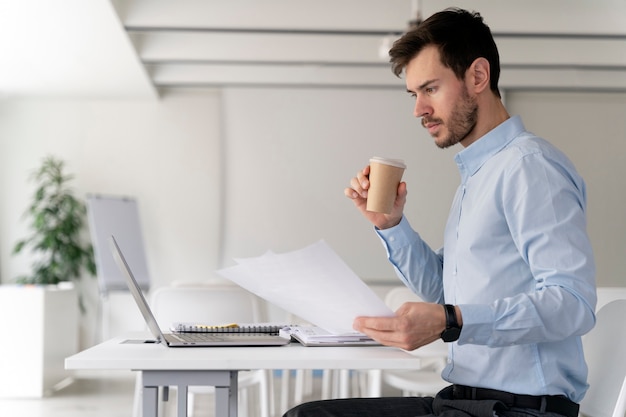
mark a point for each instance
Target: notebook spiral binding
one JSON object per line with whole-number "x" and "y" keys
{"x": 273, "y": 329}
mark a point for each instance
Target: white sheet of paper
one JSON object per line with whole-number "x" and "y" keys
{"x": 313, "y": 283}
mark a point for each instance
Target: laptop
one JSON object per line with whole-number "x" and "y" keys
{"x": 188, "y": 339}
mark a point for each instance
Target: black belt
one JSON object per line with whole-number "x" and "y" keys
{"x": 546, "y": 403}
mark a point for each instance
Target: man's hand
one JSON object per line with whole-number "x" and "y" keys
{"x": 413, "y": 326}
{"x": 357, "y": 192}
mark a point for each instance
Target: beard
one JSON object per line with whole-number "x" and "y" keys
{"x": 462, "y": 121}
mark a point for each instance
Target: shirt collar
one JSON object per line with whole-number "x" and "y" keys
{"x": 470, "y": 159}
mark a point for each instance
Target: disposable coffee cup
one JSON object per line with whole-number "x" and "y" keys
{"x": 385, "y": 176}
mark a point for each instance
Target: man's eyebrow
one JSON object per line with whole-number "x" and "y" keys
{"x": 423, "y": 86}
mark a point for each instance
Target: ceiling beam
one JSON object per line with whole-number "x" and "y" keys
{"x": 345, "y": 15}
{"x": 215, "y": 75}
{"x": 330, "y": 43}
{"x": 529, "y": 16}
{"x": 159, "y": 46}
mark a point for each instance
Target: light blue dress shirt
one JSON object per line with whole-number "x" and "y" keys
{"x": 518, "y": 262}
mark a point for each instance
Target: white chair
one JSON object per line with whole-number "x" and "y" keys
{"x": 418, "y": 382}
{"x": 605, "y": 352}
{"x": 303, "y": 380}
{"x": 217, "y": 304}
{"x": 608, "y": 294}
{"x": 426, "y": 380}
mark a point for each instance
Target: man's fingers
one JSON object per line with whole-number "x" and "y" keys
{"x": 381, "y": 324}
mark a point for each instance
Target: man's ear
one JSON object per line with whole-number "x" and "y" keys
{"x": 479, "y": 74}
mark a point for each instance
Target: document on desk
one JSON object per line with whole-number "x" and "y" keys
{"x": 313, "y": 283}
{"x": 316, "y": 336}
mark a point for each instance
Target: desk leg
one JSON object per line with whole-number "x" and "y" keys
{"x": 226, "y": 398}
{"x": 225, "y": 383}
{"x": 150, "y": 402}
{"x": 183, "y": 391}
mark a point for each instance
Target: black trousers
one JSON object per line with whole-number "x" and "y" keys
{"x": 442, "y": 405}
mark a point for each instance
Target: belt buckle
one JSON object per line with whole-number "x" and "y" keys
{"x": 462, "y": 392}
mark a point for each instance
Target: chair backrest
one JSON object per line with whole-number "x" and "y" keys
{"x": 605, "y": 352}
{"x": 400, "y": 295}
{"x": 210, "y": 304}
{"x": 608, "y": 294}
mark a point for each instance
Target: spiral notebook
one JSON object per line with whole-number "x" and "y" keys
{"x": 197, "y": 339}
{"x": 306, "y": 335}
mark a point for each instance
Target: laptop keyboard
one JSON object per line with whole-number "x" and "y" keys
{"x": 199, "y": 337}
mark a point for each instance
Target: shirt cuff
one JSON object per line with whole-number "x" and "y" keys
{"x": 398, "y": 236}
{"x": 477, "y": 324}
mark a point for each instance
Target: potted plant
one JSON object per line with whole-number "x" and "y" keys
{"x": 57, "y": 221}
{"x": 44, "y": 313}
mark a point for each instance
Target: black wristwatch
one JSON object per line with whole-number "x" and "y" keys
{"x": 453, "y": 330}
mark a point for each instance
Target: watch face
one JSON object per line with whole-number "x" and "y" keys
{"x": 451, "y": 334}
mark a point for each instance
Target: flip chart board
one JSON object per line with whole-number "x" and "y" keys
{"x": 118, "y": 216}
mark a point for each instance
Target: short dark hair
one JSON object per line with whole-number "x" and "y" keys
{"x": 461, "y": 38}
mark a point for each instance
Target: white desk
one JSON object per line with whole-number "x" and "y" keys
{"x": 218, "y": 367}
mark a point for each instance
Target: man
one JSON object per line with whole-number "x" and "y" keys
{"x": 513, "y": 288}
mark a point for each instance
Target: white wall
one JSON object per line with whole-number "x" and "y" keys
{"x": 287, "y": 155}
{"x": 291, "y": 152}
{"x": 165, "y": 153}
{"x": 591, "y": 130}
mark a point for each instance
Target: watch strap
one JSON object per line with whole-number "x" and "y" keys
{"x": 451, "y": 320}
{"x": 453, "y": 329}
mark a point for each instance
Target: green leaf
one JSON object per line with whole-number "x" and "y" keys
{"x": 56, "y": 223}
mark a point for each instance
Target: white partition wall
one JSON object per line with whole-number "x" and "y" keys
{"x": 591, "y": 129}
{"x": 291, "y": 152}
{"x": 234, "y": 173}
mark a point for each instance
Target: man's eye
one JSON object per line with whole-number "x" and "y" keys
{"x": 430, "y": 90}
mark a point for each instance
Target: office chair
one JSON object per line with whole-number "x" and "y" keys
{"x": 605, "y": 352}
{"x": 608, "y": 294}
{"x": 423, "y": 381}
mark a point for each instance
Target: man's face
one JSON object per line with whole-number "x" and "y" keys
{"x": 441, "y": 99}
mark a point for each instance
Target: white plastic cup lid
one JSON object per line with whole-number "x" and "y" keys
{"x": 389, "y": 161}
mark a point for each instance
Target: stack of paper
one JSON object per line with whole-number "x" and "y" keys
{"x": 316, "y": 336}
{"x": 313, "y": 283}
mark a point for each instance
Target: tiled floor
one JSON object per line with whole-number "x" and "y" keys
{"x": 102, "y": 395}
{"x": 110, "y": 394}
{"x": 107, "y": 394}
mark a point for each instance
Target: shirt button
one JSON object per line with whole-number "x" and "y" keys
{"x": 392, "y": 239}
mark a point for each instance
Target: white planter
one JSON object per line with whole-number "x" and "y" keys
{"x": 38, "y": 330}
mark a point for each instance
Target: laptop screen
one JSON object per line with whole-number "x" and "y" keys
{"x": 135, "y": 290}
